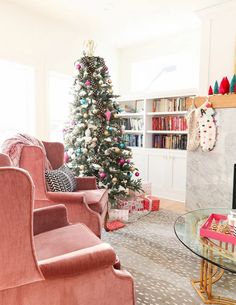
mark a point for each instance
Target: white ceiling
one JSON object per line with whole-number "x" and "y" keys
{"x": 122, "y": 22}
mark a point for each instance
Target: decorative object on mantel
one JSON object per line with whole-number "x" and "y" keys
{"x": 193, "y": 128}
{"x": 207, "y": 126}
{"x": 216, "y": 88}
{"x": 225, "y": 86}
{"x": 233, "y": 84}
{"x": 210, "y": 91}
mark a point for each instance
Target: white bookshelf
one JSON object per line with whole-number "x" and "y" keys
{"x": 141, "y": 108}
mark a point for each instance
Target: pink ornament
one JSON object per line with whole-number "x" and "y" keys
{"x": 78, "y": 66}
{"x": 66, "y": 157}
{"x": 121, "y": 162}
{"x": 87, "y": 83}
{"x": 116, "y": 139}
{"x": 102, "y": 175}
{"x": 137, "y": 174}
{"x": 108, "y": 115}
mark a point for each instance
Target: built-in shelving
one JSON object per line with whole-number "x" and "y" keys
{"x": 169, "y": 134}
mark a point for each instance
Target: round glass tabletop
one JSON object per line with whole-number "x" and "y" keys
{"x": 187, "y": 229}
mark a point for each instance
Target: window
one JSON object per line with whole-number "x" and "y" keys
{"x": 59, "y": 103}
{"x": 17, "y": 112}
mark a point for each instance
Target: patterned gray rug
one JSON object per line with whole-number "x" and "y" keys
{"x": 161, "y": 266}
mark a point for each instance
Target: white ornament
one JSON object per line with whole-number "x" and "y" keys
{"x": 81, "y": 167}
{"x": 70, "y": 151}
{"x": 85, "y": 115}
{"x": 96, "y": 166}
{"x": 93, "y": 145}
{"x": 95, "y": 111}
{"x": 87, "y": 132}
{"x": 85, "y": 150}
{"x": 94, "y": 139}
{"x": 82, "y": 93}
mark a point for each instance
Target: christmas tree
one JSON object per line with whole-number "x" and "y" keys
{"x": 93, "y": 137}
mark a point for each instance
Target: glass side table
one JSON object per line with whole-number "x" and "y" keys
{"x": 216, "y": 256}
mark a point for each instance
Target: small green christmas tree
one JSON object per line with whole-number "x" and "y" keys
{"x": 233, "y": 84}
{"x": 93, "y": 137}
{"x": 216, "y": 88}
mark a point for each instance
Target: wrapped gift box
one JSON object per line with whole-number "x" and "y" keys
{"x": 119, "y": 214}
{"x": 133, "y": 204}
{"x": 151, "y": 203}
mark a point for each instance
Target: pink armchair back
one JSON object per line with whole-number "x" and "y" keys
{"x": 87, "y": 204}
{"x": 17, "y": 256}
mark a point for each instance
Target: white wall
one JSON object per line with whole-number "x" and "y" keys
{"x": 29, "y": 38}
{"x": 218, "y": 41}
{"x": 188, "y": 41}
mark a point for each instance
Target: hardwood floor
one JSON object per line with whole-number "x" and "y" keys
{"x": 171, "y": 205}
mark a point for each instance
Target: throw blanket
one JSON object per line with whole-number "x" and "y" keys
{"x": 13, "y": 146}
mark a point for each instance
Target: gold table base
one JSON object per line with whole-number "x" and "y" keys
{"x": 210, "y": 274}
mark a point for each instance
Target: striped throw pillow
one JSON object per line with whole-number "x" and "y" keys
{"x": 60, "y": 180}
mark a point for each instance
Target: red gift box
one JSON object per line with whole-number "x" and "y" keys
{"x": 151, "y": 201}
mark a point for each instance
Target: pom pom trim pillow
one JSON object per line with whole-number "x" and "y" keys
{"x": 60, "y": 180}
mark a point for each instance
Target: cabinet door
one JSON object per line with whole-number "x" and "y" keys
{"x": 159, "y": 173}
{"x": 140, "y": 159}
{"x": 179, "y": 177}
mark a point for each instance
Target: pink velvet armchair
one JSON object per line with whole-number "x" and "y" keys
{"x": 87, "y": 204}
{"x": 62, "y": 263}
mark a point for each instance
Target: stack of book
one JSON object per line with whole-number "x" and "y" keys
{"x": 132, "y": 123}
{"x": 169, "y": 123}
{"x": 133, "y": 140}
{"x": 170, "y": 141}
{"x": 169, "y": 104}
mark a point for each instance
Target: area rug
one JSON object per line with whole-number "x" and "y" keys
{"x": 161, "y": 266}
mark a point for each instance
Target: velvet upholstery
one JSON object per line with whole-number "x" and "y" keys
{"x": 67, "y": 265}
{"x": 4, "y": 160}
{"x": 87, "y": 204}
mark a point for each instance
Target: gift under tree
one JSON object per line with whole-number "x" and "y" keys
{"x": 93, "y": 137}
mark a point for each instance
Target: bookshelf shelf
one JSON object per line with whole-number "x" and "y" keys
{"x": 130, "y": 114}
{"x": 133, "y": 131}
{"x": 175, "y": 113}
{"x": 167, "y": 131}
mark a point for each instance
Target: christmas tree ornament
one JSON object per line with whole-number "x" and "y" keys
{"x": 83, "y": 101}
{"x": 210, "y": 91}
{"x": 78, "y": 66}
{"x": 114, "y": 180}
{"x": 81, "y": 167}
{"x": 117, "y": 150}
{"x": 85, "y": 150}
{"x": 122, "y": 145}
{"x": 106, "y": 133}
{"x": 207, "y": 127}
{"x": 216, "y": 88}
{"x": 87, "y": 83}
{"x": 137, "y": 174}
{"x": 108, "y": 115}
{"x": 110, "y": 128}
{"x": 233, "y": 84}
{"x": 85, "y": 115}
{"x": 102, "y": 175}
{"x": 129, "y": 174}
{"x": 121, "y": 162}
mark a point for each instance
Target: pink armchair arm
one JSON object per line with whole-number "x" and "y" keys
{"x": 86, "y": 183}
{"x": 77, "y": 262}
{"x": 4, "y": 160}
{"x": 50, "y": 218}
{"x": 62, "y": 197}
